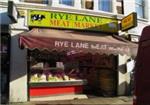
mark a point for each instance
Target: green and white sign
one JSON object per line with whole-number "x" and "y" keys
{"x": 71, "y": 21}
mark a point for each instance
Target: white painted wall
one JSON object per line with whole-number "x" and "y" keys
{"x": 95, "y": 5}
{"x": 147, "y": 8}
{"x": 18, "y": 65}
{"x": 77, "y": 4}
{"x": 5, "y": 0}
{"x": 123, "y": 76}
{"x": 114, "y": 8}
{"x": 18, "y": 70}
{"x": 129, "y": 6}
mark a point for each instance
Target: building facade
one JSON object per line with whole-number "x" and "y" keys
{"x": 114, "y": 9}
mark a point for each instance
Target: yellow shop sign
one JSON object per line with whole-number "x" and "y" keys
{"x": 129, "y": 21}
{"x": 71, "y": 21}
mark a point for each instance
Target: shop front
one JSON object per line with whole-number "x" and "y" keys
{"x": 66, "y": 54}
{"x": 64, "y": 62}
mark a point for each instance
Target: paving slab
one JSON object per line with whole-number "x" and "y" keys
{"x": 91, "y": 101}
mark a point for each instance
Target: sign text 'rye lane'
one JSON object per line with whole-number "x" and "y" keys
{"x": 71, "y": 44}
{"x": 88, "y": 45}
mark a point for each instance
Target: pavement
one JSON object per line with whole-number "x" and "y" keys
{"x": 123, "y": 100}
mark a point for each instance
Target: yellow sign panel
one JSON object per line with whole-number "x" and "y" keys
{"x": 129, "y": 21}
{"x": 71, "y": 21}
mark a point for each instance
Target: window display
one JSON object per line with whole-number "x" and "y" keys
{"x": 53, "y": 67}
{"x": 53, "y": 73}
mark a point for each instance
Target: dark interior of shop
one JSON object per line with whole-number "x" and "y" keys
{"x": 5, "y": 66}
{"x": 98, "y": 71}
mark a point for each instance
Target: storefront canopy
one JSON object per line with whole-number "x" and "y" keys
{"x": 69, "y": 40}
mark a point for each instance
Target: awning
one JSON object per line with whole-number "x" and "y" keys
{"x": 70, "y": 40}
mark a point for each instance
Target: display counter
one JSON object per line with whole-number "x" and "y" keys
{"x": 53, "y": 74}
{"x": 58, "y": 84}
{"x": 38, "y": 89}
{"x": 53, "y": 81}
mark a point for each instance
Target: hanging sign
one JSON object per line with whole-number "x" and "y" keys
{"x": 71, "y": 21}
{"x": 129, "y": 22}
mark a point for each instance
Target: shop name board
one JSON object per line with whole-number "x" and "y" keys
{"x": 87, "y": 45}
{"x": 129, "y": 21}
{"x": 71, "y": 21}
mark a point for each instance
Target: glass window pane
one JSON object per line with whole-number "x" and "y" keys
{"x": 139, "y": 1}
{"x": 66, "y": 2}
{"x": 139, "y": 10}
{"x": 105, "y": 5}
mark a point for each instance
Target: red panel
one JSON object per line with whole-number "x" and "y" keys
{"x": 41, "y": 91}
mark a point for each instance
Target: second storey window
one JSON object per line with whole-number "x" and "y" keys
{"x": 67, "y": 2}
{"x": 105, "y": 5}
{"x": 140, "y": 8}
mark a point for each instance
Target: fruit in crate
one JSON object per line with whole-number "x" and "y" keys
{"x": 50, "y": 78}
{"x": 56, "y": 78}
{"x": 34, "y": 78}
{"x": 66, "y": 77}
{"x": 42, "y": 78}
{"x": 59, "y": 77}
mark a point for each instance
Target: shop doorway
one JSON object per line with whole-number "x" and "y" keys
{"x": 57, "y": 73}
{"x": 5, "y": 67}
{"x": 100, "y": 70}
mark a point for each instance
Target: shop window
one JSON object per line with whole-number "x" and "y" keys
{"x": 140, "y": 8}
{"x": 60, "y": 71}
{"x": 36, "y": 1}
{"x": 53, "y": 67}
{"x": 67, "y": 2}
{"x": 105, "y": 5}
{"x": 87, "y": 4}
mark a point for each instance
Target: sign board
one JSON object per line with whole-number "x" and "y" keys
{"x": 71, "y": 21}
{"x": 129, "y": 22}
{"x": 12, "y": 11}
